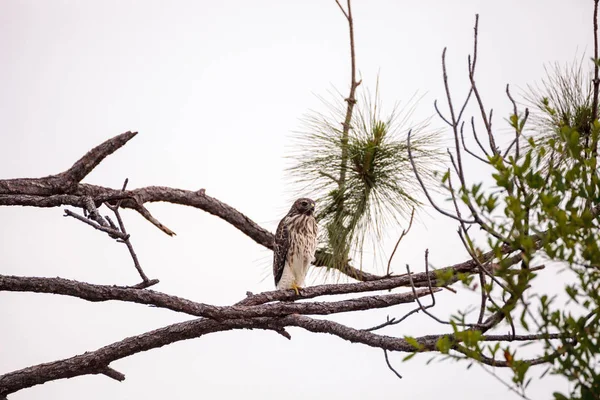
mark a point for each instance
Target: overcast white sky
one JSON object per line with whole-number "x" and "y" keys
{"x": 215, "y": 90}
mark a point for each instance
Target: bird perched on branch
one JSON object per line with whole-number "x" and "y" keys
{"x": 295, "y": 245}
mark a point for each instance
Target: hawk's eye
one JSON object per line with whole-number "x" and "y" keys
{"x": 304, "y": 203}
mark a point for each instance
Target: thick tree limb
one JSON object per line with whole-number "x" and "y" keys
{"x": 97, "y": 362}
{"x": 244, "y": 315}
{"x": 63, "y": 182}
{"x": 65, "y": 189}
{"x": 88, "y": 162}
{"x": 426, "y": 343}
{"x": 419, "y": 280}
{"x": 92, "y": 292}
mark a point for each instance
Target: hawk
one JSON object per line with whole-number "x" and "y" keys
{"x": 295, "y": 245}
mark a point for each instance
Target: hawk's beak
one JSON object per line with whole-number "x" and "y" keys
{"x": 312, "y": 206}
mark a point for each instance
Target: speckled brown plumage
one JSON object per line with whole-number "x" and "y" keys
{"x": 295, "y": 244}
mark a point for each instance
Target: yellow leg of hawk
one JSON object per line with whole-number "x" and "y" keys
{"x": 296, "y": 288}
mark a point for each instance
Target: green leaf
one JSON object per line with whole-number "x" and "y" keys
{"x": 413, "y": 342}
{"x": 444, "y": 344}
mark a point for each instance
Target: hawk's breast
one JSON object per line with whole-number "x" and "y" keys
{"x": 303, "y": 238}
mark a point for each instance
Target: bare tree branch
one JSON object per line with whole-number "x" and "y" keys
{"x": 419, "y": 280}
{"x": 88, "y": 162}
{"x": 98, "y": 293}
{"x": 596, "y": 80}
{"x": 114, "y": 233}
{"x": 238, "y": 317}
{"x": 127, "y": 241}
{"x": 64, "y": 182}
{"x": 97, "y": 362}
{"x": 487, "y": 121}
{"x": 424, "y": 188}
{"x": 404, "y": 232}
{"x": 387, "y": 361}
{"x": 113, "y": 373}
{"x": 351, "y": 99}
{"x": 471, "y": 153}
{"x": 62, "y": 190}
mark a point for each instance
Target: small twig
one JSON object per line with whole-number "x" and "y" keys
{"x": 477, "y": 137}
{"x": 424, "y": 308}
{"x": 111, "y": 223}
{"x": 283, "y": 333}
{"x": 455, "y": 122}
{"x": 118, "y": 204}
{"x": 387, "y": 361}
{"x": 146, "y": 214}
{"x": 145, "y": 284}
{"x": 596, "y": 69}
{"x": 393, "y": 321}
{"x": 404, "y": 233}
{"x": 518, "y": 132}
{"x": 486, "y": 122}
{"x": 477, "y": 261}
{"x": 464, "y": 106}
{"x": 136, "y": 262}
{"x": 388, "y": 322}
{"x": 497, "y": 363}
{"x": 474, "y": 212}
{"x": 421, "y": 307}
{"x": 484, "y": 116}
{"x": 92, "y": 211}
{"x": 113, "y": 373}
{"x": 139, "y": 207}
{"x": 482, "y": 282}
{"x": 453, "y": 165}
{"x": 522, "y": 338}
{"x": 472, "y": 154}
{"x": 127, "y": 241}
{"x": 424, "y": 188}
{"x": 537, "y": 267}
{"x": 111, "y": 232}
{"x": 506, "y": 384}
{"x": 114, "y": 233}
{"x": 123, "y": 188}
{"x": 596, "y": 83}
{"x": 448, "y": 288}
{"x": 342, "y": 8}
{"x": 440, "y": 113}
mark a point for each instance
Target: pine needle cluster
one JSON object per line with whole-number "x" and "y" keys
{"x": 563, "y": 101}
{"x": 379, "y": 188}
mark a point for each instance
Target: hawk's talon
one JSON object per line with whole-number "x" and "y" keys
{"x": 296, "y": 288}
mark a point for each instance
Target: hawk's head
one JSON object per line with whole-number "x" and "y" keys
{"x": 303, "y": 206}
